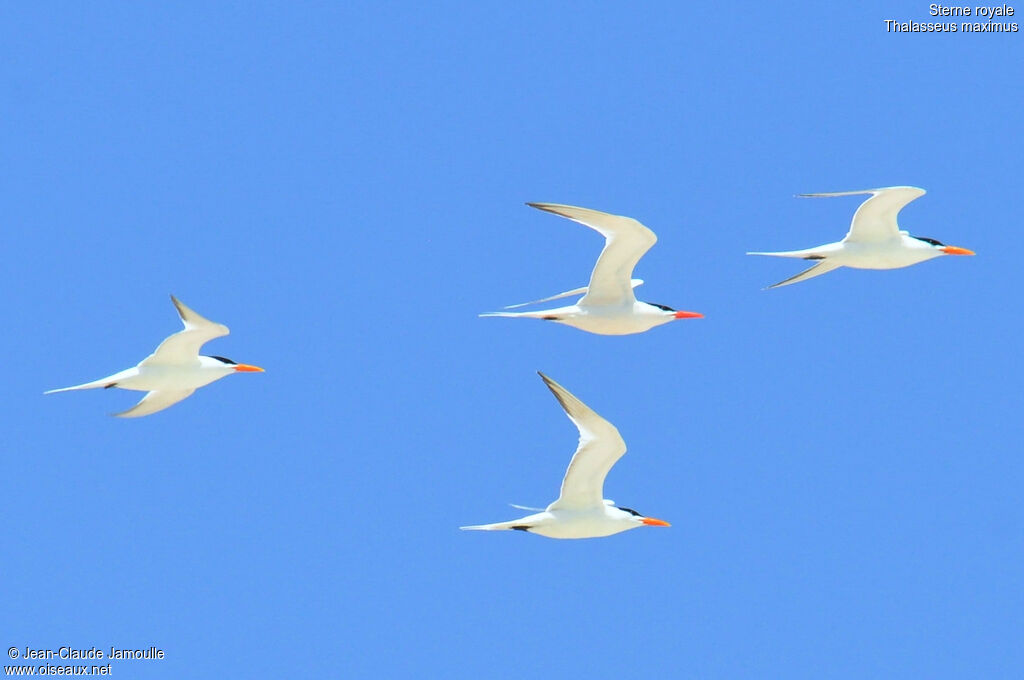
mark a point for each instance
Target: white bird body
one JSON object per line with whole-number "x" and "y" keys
{"x": 624, "y": 319}
{"x": 903, "y": 251}
{"x": 874, "y": 240}
{"x": 569, "y": 523}
{"x": 580, "y": 511}
{"x": 608, "y": 305}
{"x": 175, "y": 370}
{"x": 202, "y": 372}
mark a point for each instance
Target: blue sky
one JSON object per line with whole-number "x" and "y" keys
{"x": 343, "y": 184}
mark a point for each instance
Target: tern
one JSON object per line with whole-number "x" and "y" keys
{"x": 581, "y": 511}
{"x": 175, "y": 370}
{"x": 608, "y": 305}
{"x": 874, "y": 240}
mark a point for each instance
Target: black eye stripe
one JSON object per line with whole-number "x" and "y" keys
{"x": 665, "y": 307}
{"x": 934, "y": 242}
{"x": 224, "y": 361}
{"x": 630, "y": 511}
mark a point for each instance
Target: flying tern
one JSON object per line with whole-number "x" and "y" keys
{"x": 874, "y": 240}
{"x": 581, "y": 511}
{"x": 175, "y": 370}
{"x": 608, "y": 305}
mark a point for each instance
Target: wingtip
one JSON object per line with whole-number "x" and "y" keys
{"x": 564, "y": 397}
{"x": 831, "y": 194}
{"x": 552, "y": 208}
{"x": 178, "y": 305}
{"x": 127, "y": 414}
{"x": 859, "y": 192}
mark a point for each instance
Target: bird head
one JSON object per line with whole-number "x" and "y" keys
{"x": 941, "y": 248}
{"x": 675, "y": 314}
{"x": 237, "y": 367}
{"x": 644, "y": 521}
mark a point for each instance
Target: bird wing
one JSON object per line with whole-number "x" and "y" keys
{"x": 155, "y": 401}
{"x": 626, "y": 241}
{"x": 875, "y": 219}
{"x": 184, "y": 345}
{"x": 599, "y": 448}
{"x": 823, "y": 267}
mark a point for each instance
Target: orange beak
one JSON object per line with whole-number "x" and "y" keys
{"x": 651, "y": 522}
{"x": 954, "y": 250}
{"x": 689, "y": 315}
{"x": 246, "y": 368}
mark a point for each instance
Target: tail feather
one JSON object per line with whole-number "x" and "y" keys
{"x": 529, "y": 315}
{"x": 575, "y": 291}
{"x": 507, "y": 314}
{"x": 788, "y": 253}
{"x": 109, "y": 381}
{"x": 105, "y": 382}
{"x": 582, "y": 290}
{"x": 497, "y": 526}
{"x": 527, "y": 507}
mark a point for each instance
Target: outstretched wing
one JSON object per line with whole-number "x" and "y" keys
{"x": 155, "y": 401}
{"x": 875, "y": 219}
{"x": 184, "y": 345}
{"x": 599, "y": 448}
{"x": 626, "y": 241}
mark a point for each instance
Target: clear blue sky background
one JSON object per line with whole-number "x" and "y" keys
{"x": 343, "y": 185}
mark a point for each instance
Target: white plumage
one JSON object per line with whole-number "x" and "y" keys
{"x": 608, "y": 305}
{"x": 580, "y": 511}
{"x": 175, "y": 369}
{"x": 874, "y": 240}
